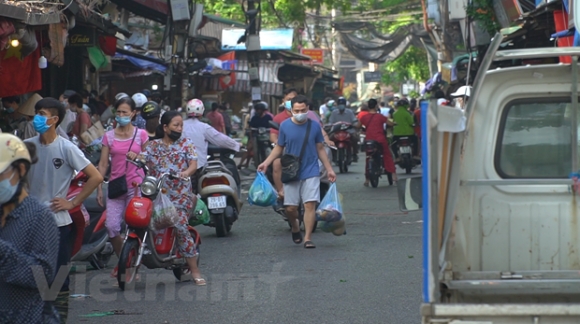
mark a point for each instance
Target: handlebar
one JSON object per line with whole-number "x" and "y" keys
{"x": 172, "y": 175}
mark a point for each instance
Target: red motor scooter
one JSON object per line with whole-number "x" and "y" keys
{"x": 144, "y": 246}
{"x": 339, "y": 134}
{"x": 91, "y": 238}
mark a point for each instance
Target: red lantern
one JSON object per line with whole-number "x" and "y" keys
{"x": 108, "y": 44}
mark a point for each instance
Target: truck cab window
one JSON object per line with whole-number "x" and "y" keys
{"x": 535, "y": 139}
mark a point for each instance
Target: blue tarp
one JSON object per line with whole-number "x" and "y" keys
{"x": 144, "y": 64}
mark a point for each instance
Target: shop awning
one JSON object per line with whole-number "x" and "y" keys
{"x": 156, "y": 10}
{"x": 19, "y": 11}
{"x": 141, "y": 61}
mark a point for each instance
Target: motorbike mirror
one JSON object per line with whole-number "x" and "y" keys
{"x": 274, "y": 125}
{"x": 410, "y": 192}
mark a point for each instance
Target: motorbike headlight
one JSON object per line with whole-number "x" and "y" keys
{"x": 148, "y": 188}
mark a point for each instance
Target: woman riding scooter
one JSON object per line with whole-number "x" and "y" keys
{"x": 374, "y": 123}
{"x": 172, "y": 153}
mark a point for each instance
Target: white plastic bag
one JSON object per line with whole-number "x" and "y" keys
{"x": 164, "y": 213}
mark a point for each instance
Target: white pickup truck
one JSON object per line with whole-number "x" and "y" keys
{"x": 501, "y": 211}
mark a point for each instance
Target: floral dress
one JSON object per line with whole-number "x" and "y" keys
{"x": 175, "y": 158}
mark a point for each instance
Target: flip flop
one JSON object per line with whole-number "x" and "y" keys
{"x": 309, "y": 245}
{"x": 297, "y": 237}
{"x": 199, "y": 281}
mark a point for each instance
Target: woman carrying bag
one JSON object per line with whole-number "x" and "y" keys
{"x": 126, "y": 141}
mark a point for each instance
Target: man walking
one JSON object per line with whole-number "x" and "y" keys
{"x": 216, "y": 119}
{"x": 301, "y": 137}
{"x": 224, "y": 108}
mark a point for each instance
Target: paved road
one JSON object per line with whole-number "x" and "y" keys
{"x": 257, "y": 275}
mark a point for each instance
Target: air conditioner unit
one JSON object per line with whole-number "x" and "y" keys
{"x": 457, "y": 9}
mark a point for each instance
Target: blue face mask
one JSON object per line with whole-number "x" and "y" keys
{"x": 341, "y": 107}
{"x": 10, "y": 110}
{"x": 288, "y": 105}
{"x": 7, "y": 190}
{"x": 123, "y": 121}
{"x": 39, "y": 123}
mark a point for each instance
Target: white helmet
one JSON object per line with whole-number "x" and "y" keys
{"x": 195, "y": 107}
{"x": 462, "y": 91}
{"x": 12, "y": 149}
{"x": 139, "y": 99}
{"x": 120, "y": 96}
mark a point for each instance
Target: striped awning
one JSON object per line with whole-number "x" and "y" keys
{"x": 271, "y": 86}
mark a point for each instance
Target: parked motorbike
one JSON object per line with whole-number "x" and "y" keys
{"x": 374, "y": 166}
{"x": 91, "y": 240}
{"x": 261, "y": 141}
{"x": 143, "y": 246}
{"x": 405, "y": 148}
{"x": 324, "y": 186}
{"x": 219, "y": 187}
{"x": 338, "y": 133}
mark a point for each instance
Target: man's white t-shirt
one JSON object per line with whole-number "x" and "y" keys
{"x": 50, "y": 177}
{"x": 200, "y": 134}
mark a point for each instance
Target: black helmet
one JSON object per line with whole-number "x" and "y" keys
{"x": 402, "y": 103}
{"x": 341, "y": 101}
{"x": 150, "y": 110}
{"x": 261, "y": 106}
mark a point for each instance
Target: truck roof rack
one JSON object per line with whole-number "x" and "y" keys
{"x": 535, "y": 53}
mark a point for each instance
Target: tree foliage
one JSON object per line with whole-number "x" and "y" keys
{"x": 275, "y": 13}
{"x": 412, "y": 65}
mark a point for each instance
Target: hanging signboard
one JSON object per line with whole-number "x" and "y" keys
{"x": 316, "y": 55}
{"x": 82, "y": 37}
{"x": 270, "y": 39}
{"x": 375, "y": 76}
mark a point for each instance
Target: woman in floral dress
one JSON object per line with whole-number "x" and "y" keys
{"x": 170, "y": 152}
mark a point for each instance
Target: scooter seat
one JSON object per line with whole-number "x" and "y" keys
{"x": 212, "y": 149}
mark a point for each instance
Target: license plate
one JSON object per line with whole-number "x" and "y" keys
{"x": 216, "y": 202}
{"x": 405, "y": 149}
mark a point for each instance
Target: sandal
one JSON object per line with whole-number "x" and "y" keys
{"x": 115, "y": 272}
{"x": 297, "y": 237}
{"x": 199, "y": 281}
{"x": 309, "y": 245}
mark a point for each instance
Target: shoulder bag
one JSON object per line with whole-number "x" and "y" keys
{"x": 291, "y": 163}
{"x": 118, "y": 187}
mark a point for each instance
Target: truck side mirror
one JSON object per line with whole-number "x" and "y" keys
{"x": 410, "y": 192}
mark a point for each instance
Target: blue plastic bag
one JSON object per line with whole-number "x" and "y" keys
{"x": 330, "y": 213}
{"x": 262, "y": 193}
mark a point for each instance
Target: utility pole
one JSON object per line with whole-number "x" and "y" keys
{"x": 253, "y": 49}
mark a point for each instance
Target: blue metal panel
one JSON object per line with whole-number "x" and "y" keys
{"x": 426, "y": 204}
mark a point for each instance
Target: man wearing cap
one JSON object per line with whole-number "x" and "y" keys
{"x": 26, "y": 129}
{"x": 140, "y": 100}
{"x": 461, "y": 96}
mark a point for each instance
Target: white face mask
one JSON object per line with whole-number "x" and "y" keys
{"x": 300, "y": 117}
